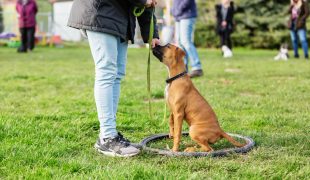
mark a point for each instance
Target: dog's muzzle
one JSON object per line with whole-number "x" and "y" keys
{"x": 158, "y": 52}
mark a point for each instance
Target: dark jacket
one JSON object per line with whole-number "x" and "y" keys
{"x": 184, "y": 9}
{"x": 300, "y": 22}
{"x": 27, "y": 13}
{"x": 111, "y": 16}
{"x": 229, "y": 18}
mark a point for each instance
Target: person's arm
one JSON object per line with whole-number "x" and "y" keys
{"x": 17, "y": 9}
{"x": 231, "y": 17}
{"x": 140, "y": 3}
{"x": 144, "y": 22}
{"x": 305, "y": 16}
{"x": 218, "y": 14}
{"x": 35, "y": 7}
{"x": 182, "y": 5}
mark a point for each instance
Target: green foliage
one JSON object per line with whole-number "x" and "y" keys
{"x": 1, "y": 20}
{"x": 48, "y": 120}
{"x": 259, "y": 23}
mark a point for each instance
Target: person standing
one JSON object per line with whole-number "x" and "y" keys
{"x": 27, "y": 10}
{"x": 225, "y": 16}
{"x": 108, "y": 25}
{"x": 299, "y": 12}
{"x": 185, "y": 13}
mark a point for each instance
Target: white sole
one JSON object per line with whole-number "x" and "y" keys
{"x": 113, "y": 154}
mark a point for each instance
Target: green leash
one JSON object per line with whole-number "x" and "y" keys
{"x": 138, "y": 12}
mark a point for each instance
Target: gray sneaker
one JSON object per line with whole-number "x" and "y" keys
{"x": 116, "y": 147}
{"x": 196, "y": 73}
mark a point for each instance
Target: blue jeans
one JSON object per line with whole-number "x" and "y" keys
{"x": 184, "y": 36}
{"x": 301, "y": 33}
{"x": 110, "y": 56}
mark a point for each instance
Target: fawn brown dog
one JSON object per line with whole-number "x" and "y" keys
{"x": 185, "y": 102}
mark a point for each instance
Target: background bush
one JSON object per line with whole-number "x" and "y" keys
{"x": 1, "y": 20}
{"x": 259, "y": 23}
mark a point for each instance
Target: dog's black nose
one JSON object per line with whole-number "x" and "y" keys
{"x": 156, "y": 48}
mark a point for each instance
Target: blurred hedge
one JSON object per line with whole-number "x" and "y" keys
{"x": 259, "y": 23}
{"x": 1, "y": 20}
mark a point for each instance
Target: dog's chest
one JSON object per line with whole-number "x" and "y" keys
{"x": 167, "y": 91}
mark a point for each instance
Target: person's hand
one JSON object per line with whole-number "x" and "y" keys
{"x": 224, "y": 23}
{"x": 155, "y": 42}
{"x": 150, "y": 3}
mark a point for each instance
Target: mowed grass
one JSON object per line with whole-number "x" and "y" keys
{"x": 48, "y": 121}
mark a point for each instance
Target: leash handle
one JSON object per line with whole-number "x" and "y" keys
{"x": 138, "y": 11}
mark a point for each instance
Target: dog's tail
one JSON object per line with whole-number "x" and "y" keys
{"x": 232, "y": 140}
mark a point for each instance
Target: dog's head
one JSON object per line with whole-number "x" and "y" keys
{"x": 169, "y": 54}
{"x": 284, "y": 46}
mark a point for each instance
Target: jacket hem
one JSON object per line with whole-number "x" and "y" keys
{"x": 96, "y": 29}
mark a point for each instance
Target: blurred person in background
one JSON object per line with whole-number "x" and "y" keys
{"x": 185, "y": 13}
{"x": 299, "y": 12}
{"x": 225, "y": 16}
{"x": 27, "y": 10}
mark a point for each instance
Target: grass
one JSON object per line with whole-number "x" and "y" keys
{"x": 48, "y": 121}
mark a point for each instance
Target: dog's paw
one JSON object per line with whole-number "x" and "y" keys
{"x": 190, "y": 149}
{"x": 175, "y": 149}
{"x": 170, "y": 136}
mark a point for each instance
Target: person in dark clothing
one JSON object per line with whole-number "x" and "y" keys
{"x": 109, "y": 25}
{"x": 225, "y": 16}
{"x": 299, "y": 12}
{"x": 27, "y": 10}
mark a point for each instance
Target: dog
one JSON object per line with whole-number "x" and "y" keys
{"x": 185, "y": 102}
{"x": 227, "y": 53}
{"x": 283, "y": 53}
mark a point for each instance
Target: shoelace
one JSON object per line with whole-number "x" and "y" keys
{"x": 122, "y": 139}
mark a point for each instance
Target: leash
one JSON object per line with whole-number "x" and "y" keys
{"x": 138, "y": 11}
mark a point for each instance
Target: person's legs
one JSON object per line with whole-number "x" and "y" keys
{"x": 303, "y": 39}
{"x": 222, "y": 38}
{"x": 104, "y": 51}
{"x": 110, "y": 63}
{"x": 178, "y": 41}
{"x": 294, "y": 40}
{"x": 121, "y": 69}
{"x": 186, "y": 30}
{"x": 23, "y": 46}
{"x": 228, "y": 40}
{"x": 31, "y": 38}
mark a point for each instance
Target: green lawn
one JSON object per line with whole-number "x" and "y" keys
{"x": 48, "y": 121}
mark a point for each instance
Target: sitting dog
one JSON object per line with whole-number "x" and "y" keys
{"x": 185, "y": 102}
{"x": 227, "y": 53}
{"x": 283, "y": 53}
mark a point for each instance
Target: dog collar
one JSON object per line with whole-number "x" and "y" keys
{"x": 176, "y": 77}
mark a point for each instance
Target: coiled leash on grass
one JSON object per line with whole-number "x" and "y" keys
{"x": 249, "y": 145}
{"x": 138, "y": 11}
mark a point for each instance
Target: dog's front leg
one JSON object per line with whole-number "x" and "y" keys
{"x": 178, "y": 120}
{"x": 171, "y": 126}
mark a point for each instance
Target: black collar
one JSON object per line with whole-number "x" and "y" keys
{"x": 176, "y": 77}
